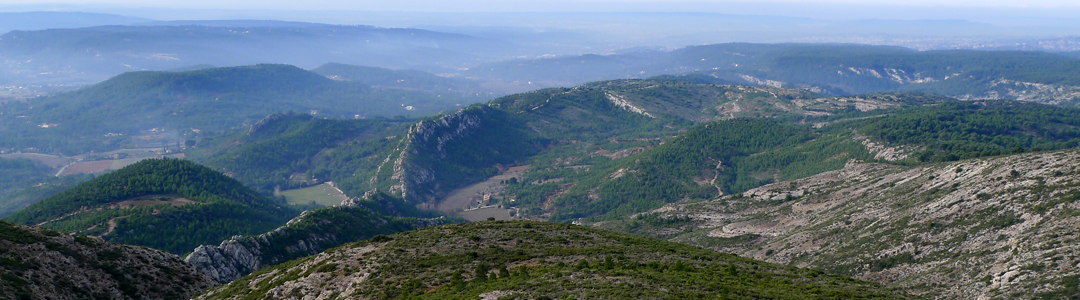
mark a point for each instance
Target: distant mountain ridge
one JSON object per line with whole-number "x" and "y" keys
{"x": 39, "y": 20}
{"x": 837, "y": 69}
{"x": 204, "y": 100}
{"x": 402, "y": 79}
{"x": 92, "y": 54}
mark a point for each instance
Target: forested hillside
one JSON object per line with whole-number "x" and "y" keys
{"x": 577, "y": 142}
{"x": 167, "y": 204}
{"x": 285, "y": 151}
{"x": 174, "y": 106}
{"x": 726, "y": 157}
{"x": 317, "y": 230}
{"x": 554, "y": 128}
{"x": 404, "y": 79}
{"x": 961, "y": 130}
{"x": 18, "y": 173}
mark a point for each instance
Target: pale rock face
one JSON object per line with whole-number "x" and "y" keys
{"x": 982, "y": 228}
{"x": 240, "y": 255}
{"x": 227, "y": 261}
{"x": 54, "y": 262}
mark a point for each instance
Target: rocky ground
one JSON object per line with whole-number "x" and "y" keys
{"x": 993, "y": 228}
{"x": 535, "y": 260}
{"x": 38, "y": 263}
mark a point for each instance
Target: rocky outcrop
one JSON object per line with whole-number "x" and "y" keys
{"x": 312, "y": 232}
{"x": 622, "y": 103}
{"x": 439, "y": 155}
{"x": 269, "y": 119}
{"x": 1054, "y": 94}
{"x": 37, "y": 263}
{"x": 990, "y": 228}
{"x": 415, "y": 175}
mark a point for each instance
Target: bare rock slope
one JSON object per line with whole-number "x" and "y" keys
{"x": 38, "y": 263}
{"x": 1003, "y": 227}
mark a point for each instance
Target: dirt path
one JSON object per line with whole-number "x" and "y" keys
{"x": 112, "y": 227}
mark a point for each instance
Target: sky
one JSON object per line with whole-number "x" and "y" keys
{"x": 997, "y": 12}
{"x": 539, "y": 5}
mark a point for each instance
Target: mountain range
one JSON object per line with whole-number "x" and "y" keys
{"x": 849, "y": 171}
{"x": 92, "y": 54}
{"x": 835, "y": 69}
{"x": 103, "y": 116}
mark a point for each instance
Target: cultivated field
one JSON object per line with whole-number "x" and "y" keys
{"x": 87, "y": 167}
{"x": 323, "y": 194}
{"x": 481, "y": 214}
{"x": 52, "y": 161}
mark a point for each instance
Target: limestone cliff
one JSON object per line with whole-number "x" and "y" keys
{"x": 312, "y": 232}
{"x": 451, "y": 151}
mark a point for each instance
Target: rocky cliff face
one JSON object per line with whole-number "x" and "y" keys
{"x": 310, "y": 233}
{"x": 439, "y": 155}
{"x": 414, "y": 175}
{"x": 1000, "y": 227}
{"x": 38, "y": 263}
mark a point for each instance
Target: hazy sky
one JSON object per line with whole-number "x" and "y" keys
{"x": 1060, "y": 13}
{"x": 539, "y": 5}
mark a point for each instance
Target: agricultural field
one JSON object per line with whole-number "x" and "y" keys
{"x": 324, "y": 195}
{"x": 51, "y": 161}
{"x": 87, "y": 167}
{"x": 481, "y": 214}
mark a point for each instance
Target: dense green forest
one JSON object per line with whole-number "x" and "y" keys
{"x": 961, "y": 130}
{"x": 329, "y": 227}
{"x": 30, "y": 192}
{"x": 732, "y": 156}
{"x": 168, "y": 204}
{"x": 706, "y": 161}
{"x": 272, "y": 151}
{"x": 205, "y": 100}
{"x": 18, "y": 173}
{"x": 592, "y": 158}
